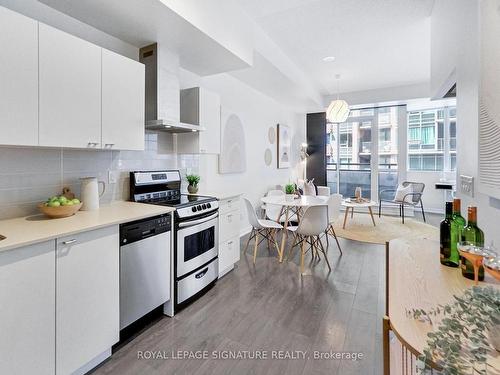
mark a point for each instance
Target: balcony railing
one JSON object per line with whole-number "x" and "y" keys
{"x": 353, "y": 175}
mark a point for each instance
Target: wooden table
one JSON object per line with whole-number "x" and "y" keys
{"x": 416, "y": 279}
{"x": 288, "y": 208}
{"x": 352, "y": 205}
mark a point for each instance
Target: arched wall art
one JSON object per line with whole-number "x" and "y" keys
{"x": 283, "y": 144}
{"x": 232, "y": 158}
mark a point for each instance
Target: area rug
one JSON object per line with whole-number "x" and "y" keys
{"x": 360, "y": 228}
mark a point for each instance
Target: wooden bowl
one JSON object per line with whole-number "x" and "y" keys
{"x": 59, "y": 212}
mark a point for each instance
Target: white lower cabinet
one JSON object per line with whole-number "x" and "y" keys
{"x": 27, "y": 311}
{"x": 87, "y": 295}
{"x": 229, "y": 234}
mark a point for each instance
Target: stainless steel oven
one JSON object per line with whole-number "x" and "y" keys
{"x": 197, "y": 242}
{"x": 196, "y": 230}
{"x": 197, "y": 262}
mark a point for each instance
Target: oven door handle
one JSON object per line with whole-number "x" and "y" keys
{"x": 199, "y": 221}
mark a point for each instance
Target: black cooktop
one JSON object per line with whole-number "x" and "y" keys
{"x": 183, "y": 201}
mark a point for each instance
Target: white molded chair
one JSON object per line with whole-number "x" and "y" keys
{"x": 273, "y": 211}
{"x": 266, "y": 228}
{"x": 334, "y": 205}
{"x": 313, "y": 224}
{"x": 323, "y": 191}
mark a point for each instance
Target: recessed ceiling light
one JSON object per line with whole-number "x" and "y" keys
{"x": 194, "y": 130}
{"x": 329, "y": 58}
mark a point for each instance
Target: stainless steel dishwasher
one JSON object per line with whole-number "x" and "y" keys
{"x": 145, "y": 253}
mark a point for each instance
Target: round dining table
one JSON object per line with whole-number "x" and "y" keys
{"x": 289, "y": 208}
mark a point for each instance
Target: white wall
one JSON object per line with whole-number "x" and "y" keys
{"x": 455, "y": 47}
{"x": 257, "y": 113}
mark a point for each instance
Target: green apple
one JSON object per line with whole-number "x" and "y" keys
{"x": 52, "y": 199}
{"x": 54, "y": 204}
{"x": 67, "y": 203}
{"x": 63, "y": 199}
{"x": 75, "y": 201}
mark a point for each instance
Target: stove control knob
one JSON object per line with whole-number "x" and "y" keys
{"x": 204, "y": 206}
{"x": 199, "y": 208}
{"x": 193, "y": 209}
{"x": 209, "y": 205}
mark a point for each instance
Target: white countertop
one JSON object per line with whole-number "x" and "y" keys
{"x": 28, "y": 230}
{"x": 220, "y": 195}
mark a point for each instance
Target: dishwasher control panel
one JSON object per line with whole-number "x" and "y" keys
{"x": 141, "y": 229}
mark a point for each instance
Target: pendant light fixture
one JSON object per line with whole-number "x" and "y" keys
{"x": 338, "y": 110}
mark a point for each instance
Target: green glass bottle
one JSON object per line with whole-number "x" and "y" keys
{"x": 445, "y": 238}
{"x": 457, "y": 224}
{"x": 475, "y": 236}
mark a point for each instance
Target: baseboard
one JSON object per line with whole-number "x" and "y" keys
{"x": 245, "y": 231}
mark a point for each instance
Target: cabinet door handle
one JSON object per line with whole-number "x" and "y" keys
{"x": 93, "y": 144}
{"x": 69, "y": 242}
{"x": 109, "y": 145}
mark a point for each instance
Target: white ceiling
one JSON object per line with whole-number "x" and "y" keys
{"x": 377, "y": 43}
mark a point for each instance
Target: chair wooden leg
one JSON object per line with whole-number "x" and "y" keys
{"x": 403, "y": 213}
{"x": 255, "y": 247}
{"x": 336, "y": 239}
{"x": 352, "y": 212}
{"x": 302, "y": 251}
{"x": 249, "y": 239}
{"x": 324, "y": 253}
{"x": 379, "y": 207}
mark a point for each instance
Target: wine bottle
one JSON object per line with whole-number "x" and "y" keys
{"x": 474, "y": 236}
{"x": 445, "y": 238}
{"x": 457, "y": 224}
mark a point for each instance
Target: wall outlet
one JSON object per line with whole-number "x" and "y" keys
{"x": 113, "y": 177}
{"x": 467, "y": 185}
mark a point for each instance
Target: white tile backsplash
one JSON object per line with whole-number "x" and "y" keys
{"x": 30, "y": 175}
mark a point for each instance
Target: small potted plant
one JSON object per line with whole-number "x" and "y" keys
{"x": 290, "y": 192}
{"x": 193, "y": 180}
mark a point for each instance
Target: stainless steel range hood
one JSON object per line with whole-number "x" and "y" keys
{"x": 158, "y": 114}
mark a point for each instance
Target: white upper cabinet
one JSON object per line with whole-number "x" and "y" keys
{"x": 18, "y": 79}
{"x": 87, "y": 297}
{"x": 200, "y": 107}
{"x": 70, "y": 90}
{"x": 122, "y": 102}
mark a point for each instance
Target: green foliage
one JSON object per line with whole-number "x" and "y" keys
{"x": 460, "y": 340}
{"x": 290, "y": 188}
{"x": 193, "y": 179}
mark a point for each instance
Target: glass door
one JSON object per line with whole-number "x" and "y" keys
{"x": 365, "y": 151}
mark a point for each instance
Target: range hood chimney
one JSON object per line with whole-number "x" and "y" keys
{"x": 156, "y": 105}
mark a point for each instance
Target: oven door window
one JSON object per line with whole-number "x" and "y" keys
{"x": 198, "y": 243}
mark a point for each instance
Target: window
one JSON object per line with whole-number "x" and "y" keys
{"x": 432, "y": 139}
{"x": 357, "y": 154}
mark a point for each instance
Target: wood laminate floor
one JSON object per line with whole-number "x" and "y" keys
{"x": 270, "y": 307}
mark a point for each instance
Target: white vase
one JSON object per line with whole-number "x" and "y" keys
{"x": 289, "y": 197}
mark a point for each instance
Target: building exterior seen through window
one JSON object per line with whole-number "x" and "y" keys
{"x": 432, "y": 140}
{"x": 364, "y": 151}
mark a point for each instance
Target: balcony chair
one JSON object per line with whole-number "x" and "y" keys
{"x": 266, "y": 228}
{"x": 413, "y": 198}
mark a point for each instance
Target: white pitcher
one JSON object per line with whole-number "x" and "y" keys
{"x": 90, "y": 193}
